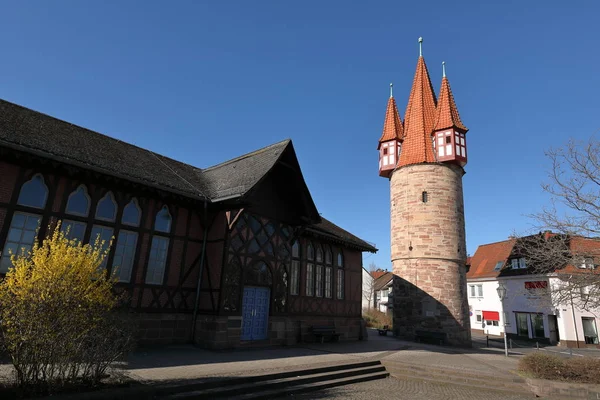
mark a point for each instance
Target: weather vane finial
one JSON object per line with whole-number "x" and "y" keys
{"x": 391, "y": 90}
{"x": 443, "y": 69}
{"x": 420, "y": 47}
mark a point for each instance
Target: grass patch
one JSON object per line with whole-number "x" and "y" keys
{"x": 547, "y": 366}
{"x": 376, "y": 319}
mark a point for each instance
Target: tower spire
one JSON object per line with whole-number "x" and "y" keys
{"x": 419, "y": 118}
{"x": 446, "y": 115}
{"x": 392, "y": 126}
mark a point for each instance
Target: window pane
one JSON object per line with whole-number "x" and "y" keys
{"x": 295, "y": 278}
{"x": 319, "y": 281}
{"x": 328, "y": 271}
{"x": 328, "y": 257}
{"x": 162, "y": 223}
{"x": 157, "y": 261}
{"x": 319, "y": 255}
{"x": 79, "y": 202}
{"x": 340, "y": 284}
{"x": 76, "y": 230}
{"x": 34, "y": 193}
{"x": 131, "y": 213}
{"x": 104, "y": 234}
{"x": 124, "y": 254}
{"x": 22, "y": 233}
{"x": 107, "y": 208}
{"x": 310, "y": 276}
{"x": 310, "y": 252}
{"x": 296, "y": 250}
{"x": 340, "y": 261}
{"x": 480, "y": 290}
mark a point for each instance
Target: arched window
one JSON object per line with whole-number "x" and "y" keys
{"x": 107, "y": 208}
{"x": 340, "y": 276}
{"x": 295, "y": 270}
{"x": 162, "y": 223}
{"x": 259, "y": 274}
{"x": 34, "y": 193}
{"x": 79, "y": 202}
{"x": 131, "y": 214}
{"x": 310, "y": 270}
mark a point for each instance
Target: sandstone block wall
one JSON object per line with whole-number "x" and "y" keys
{"x": 429, "y": 252}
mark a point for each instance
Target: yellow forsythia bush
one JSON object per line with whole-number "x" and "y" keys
{"x": 59, "y": 316}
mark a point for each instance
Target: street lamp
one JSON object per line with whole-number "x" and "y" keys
{"x": 501, "y": 289}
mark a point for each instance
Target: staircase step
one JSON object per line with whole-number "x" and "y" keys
{"x": 277, "y": 384}
{"x": 310, "y": 387}
{"x": 207, "y": 384}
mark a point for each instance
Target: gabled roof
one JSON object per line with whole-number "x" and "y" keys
{"x": 383, "y": 281}
{"x": 378, "y": 273}
{"x": 486, "y": 258}
{"x": 36, "y": 133}
{"x": 447, "y": 113}
{"x": 392, "y": 126}
{"x": 419, "y": 119}
{"x": 331, "y": 231}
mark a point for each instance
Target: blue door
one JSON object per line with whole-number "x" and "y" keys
{"x": 255, "y": 313}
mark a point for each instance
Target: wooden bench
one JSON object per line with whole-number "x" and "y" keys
{"x": 383, "y": 331}
{"x": 431, "y": 337}
{"x": 321, "y": 332}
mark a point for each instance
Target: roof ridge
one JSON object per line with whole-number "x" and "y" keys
{"x": 247, "y": 155}
{"x": 96, "y": 133}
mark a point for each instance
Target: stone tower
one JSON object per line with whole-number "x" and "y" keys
{"x": 424, "y": 159}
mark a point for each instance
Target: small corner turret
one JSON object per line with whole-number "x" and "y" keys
{"x": 449, "y": 139}
{"x": 391, "y": 139}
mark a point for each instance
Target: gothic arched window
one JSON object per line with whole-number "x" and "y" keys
{"x": 79, "y": 202}
{"x": 162, "y": 223}
{"x": 310, "y": 270}
{"x": 107, "y": 208}
{"x": 131, "y": 214}
{"x": 34, "y": 193}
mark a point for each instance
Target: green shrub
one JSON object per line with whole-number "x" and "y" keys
{"x": 376, "y": 319}
{"x": 546, "y": 366}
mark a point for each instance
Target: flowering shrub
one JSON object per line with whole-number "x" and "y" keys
{"x": 59, "y": 316}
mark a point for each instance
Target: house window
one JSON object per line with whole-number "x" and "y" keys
{"x": 587, "y": 263}
{"x": 498, "y": 266}
{"x": 328, "y": 273}
{"x": 522, "y": 324}
{"x": 476, "y": 290}
{"x": 478, "y": 316}
{"x": 34, "y": 193}
{"x": 107, "y": 208}
{"x": 159, "y": 248}
{"x": 384, "y": 293}
{"x": 537, "y": 323}
{"x": 522, "y": 264}
{"x": 319, "y": 273}
{"x": 518, "y": 263}
{"x": 79, "y": 202}
{"x": 21, "y": 236}
{"x": 124, "y": 255}
{"x": 102, "y": 235}
{"x": 310, "y": 270}
{"x": 491, "y": 323}
{"x": 590, "y": 333}
{"x": 131, "y": 214}
{"x": 340, "y": 276}
{"x": 162, "y": 222}
{"x": 73, "y": 230}
{"x": 295, "y": 270}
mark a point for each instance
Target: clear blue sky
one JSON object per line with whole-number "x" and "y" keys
{"x": 205, "y": 81}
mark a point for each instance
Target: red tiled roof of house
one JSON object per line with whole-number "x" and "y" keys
{"x": 446, "y": 113}
{"x": 383, "y": 280}
{"x": 419, "y": 119}
{"x": 392, "y": 127}
{"x": 585, "y": 248}
{"x": 487, "y": 256}
{"x": 377, "y": 274}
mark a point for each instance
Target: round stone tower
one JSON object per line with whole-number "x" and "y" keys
{"x": 428, "y": 246}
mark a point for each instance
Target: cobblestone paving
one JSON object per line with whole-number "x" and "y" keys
{"x": 392, "y": 388}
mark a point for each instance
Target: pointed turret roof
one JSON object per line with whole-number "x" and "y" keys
{"x": 419, "y": 119}
{"x": 392, "y": 127}
{"x": 447, "y": 114}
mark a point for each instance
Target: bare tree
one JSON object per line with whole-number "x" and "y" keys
{"x": 369, "y": 287}
{"x": 568, "y": 246}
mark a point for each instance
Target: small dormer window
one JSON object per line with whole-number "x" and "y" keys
{"x": 498, "y": 266}
{"x": 586, "y": 263}
{"x": 518, "y": 263}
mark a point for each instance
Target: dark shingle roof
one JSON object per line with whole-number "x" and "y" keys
{"x": 34, "y": 132}
{"x": 383, "y": 281}
{"x": 330, "y": 230}
{"x": 237, "y": 176}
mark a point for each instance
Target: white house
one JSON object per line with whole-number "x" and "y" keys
{"x": 527, "y": 308}
{"x": 383, "y": 292}
{"x": 367, "y": 289}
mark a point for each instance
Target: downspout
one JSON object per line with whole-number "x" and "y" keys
{"x": 202, "y": 256}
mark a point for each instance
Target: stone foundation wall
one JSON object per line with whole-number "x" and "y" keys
{"x": 162, "y": 329}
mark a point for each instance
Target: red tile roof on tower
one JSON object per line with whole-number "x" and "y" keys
{"x": 392, "y": 127}
{"x": 419, "y": 119}
{"x": 446, "y": 115}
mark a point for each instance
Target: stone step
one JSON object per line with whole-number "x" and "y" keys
{"x": 274, "y": 383}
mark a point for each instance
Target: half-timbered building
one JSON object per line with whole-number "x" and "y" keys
{"x": 222, "y": 256}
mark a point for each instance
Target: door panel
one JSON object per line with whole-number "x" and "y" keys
{"x": 247, "y": 312}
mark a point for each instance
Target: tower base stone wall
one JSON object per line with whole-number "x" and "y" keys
{"x": 429, "y": 252}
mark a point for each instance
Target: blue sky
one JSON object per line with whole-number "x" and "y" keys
{"x": 204, "y": 81}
